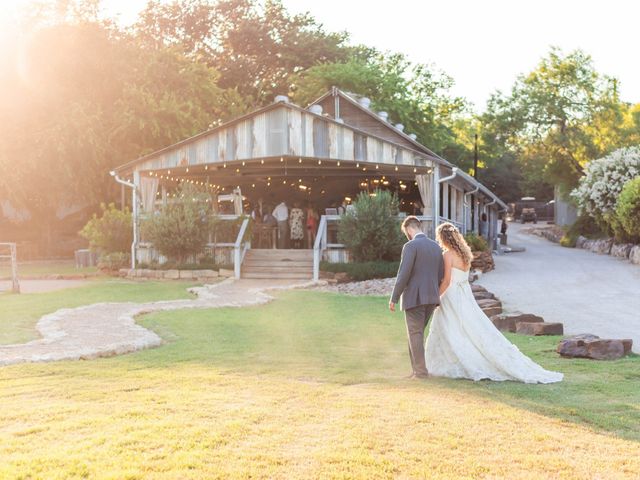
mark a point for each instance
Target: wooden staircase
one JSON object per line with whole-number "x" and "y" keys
{"x": 278, "y": 264}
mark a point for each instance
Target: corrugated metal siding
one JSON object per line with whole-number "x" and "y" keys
{"x": 320, "y": 138}
{"x": 277, "y": 132}
{"x": 283, "y": 131}
{"x": 359, "y": 147}
{"x": 295, "y": 132}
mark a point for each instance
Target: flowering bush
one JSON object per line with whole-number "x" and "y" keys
{"x": 599, "y": 189}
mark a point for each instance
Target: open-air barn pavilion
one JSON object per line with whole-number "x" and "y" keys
{"x": 323, "y": 155}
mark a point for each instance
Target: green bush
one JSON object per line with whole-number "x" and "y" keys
{"x": 363, "y": 271}
{"x": 476, "y": 243}
{"x": 372, "y": 231}
{"x": 114, "y": 261}
{"x": 180, "y": 229}
{"x": 112, "y": 232}
{"x": 584, "y": 226}
{"x": 226, "y": 231}
{"x": 628, "y": 210}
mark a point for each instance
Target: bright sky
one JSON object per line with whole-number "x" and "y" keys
{"x": 484, "y": 44}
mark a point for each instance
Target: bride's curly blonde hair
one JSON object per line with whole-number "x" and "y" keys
{"x": 450, "y": 238}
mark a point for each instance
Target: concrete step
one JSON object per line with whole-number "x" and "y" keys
{"x": 281, "y": 263}
{"x": 276, "y": 276}
{"x": 276, "y": 268}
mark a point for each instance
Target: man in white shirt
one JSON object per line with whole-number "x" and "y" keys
{"x": 281, "y": 214}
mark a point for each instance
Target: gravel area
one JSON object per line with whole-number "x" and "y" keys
{"x": 380, "y": 287}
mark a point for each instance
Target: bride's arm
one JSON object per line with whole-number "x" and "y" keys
{"x": 446, "y": 280}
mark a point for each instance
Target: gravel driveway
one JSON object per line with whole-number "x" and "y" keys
{"x": 588, "y": 293}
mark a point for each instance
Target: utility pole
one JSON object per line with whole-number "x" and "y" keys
{"x": 475, "y": 158}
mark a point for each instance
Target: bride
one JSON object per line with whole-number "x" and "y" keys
{"x": 462, "y": 341}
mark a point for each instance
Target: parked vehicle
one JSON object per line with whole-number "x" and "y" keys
{"x": 528, "y": 212}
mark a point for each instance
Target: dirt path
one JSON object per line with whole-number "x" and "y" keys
{"x": 588, "y": 293}
{"x": 105, "y": 329}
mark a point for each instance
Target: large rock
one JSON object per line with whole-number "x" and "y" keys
{"x": 491, "y": 311}
{"x": 482, "y": 261}
{"x": 621, "y": 250}
{"x": 602, "y": 247}
{"x": 504, "y": 323}
{"x": 594, "y": 347}
{"x": 172, "y": 274}
{"x": 489, "y": 302}
{"x": 634, "y": 255}
{"x": 223, "y": 272}
{"x": 581, "y": 241}
{"x": 477, "y": 288}
{"x": 483, "y": 295}
{"x": 539, "y": 328}
{"x": 527, "y": 317}
{"x": 186, "y": 274}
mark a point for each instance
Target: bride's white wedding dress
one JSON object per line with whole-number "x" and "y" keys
{"x": 464, "y": 343}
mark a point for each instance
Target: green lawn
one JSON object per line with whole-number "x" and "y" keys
{"x": 20, "y": 312}
{"x": 309, "y": 386}
{"x": 40, "y": 269}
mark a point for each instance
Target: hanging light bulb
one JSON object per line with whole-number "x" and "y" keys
{"x": 243, "y": 163}
{"x": 187, "y": 171}
{"x": 338, "y": 162}
{"x": 237, "y": 170}
{"x": 206, "y": 167}
{"x": 299, "y": 160}
{"x": 262, "y": 161}
{"x": 415, "y": 170}
{"x": 396, "y": 168}
{"x": 224, "y": 165}
{"x": 281, "y": 159}
{"x": 377, "y": 166}
{"x": 319, "y": 162}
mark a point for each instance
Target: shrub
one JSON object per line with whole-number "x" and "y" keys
{"x": 226, "y": 231}
{"x": 628, "y": 210}
{"x": 584, "y": 226}
{"x": 180, "y": 229}
{"x": 363, "y": 271}
{"x": 602, "y": 183}
{"x": 372, "y": 231}
{"x": 476, "y": 242}
{"x": 109, "y": 233}
{"x": 114, "y": 261}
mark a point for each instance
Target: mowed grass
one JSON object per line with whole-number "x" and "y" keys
{"x": 44, "y": 268}
{"x": 310, "y": 386}
{"x": 20, "y": 312}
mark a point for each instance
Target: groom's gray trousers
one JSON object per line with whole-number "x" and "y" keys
{"x": 417, "y": 319}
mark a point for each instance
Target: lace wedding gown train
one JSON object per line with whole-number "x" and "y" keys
{"x": 464, "y": 343}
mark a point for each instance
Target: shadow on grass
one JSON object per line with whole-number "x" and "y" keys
{"x": 349, "y": 340}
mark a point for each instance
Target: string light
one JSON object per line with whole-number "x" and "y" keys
{"x": 281, "y": 159}
{"x": 299, "y": 160}
{"x": 396, "y": 168}
{"x": 377, "y": 166}
{"x": 338, "y": 162}
{"x": 243, "y": 163}
{"x": 206, "y": 167}
{"x": 319, "y": 162}
{"x": 262, "y": 161}
{"x": 187, "y": 171}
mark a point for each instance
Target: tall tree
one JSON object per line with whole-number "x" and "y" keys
{"x": 255, "y": 46}
{"x": 82, "y": 98}
{"x": 558, "y": 117}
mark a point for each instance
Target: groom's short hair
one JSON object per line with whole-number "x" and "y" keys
{"x": 410, "y": 221}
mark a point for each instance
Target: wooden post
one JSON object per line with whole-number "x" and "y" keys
{"x": 15, "y": 285}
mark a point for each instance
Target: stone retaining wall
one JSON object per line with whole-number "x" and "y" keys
{"x": 200, "y": 275}
{"x": 606, "y": 246}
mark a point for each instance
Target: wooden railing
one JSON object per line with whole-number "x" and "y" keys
{"x": 240, "y": 248}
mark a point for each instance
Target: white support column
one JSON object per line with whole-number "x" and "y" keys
{"x": 436, "y": 197}
{"x": 446, "y": 208}
{"x": 135, "y": 219}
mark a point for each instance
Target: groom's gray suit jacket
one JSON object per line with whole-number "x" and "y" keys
{"x": 420, "y": 273}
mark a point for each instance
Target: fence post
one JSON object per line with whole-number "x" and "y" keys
{"x": 15, "y": 286}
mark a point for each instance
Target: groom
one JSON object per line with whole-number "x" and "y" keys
{"x": 418, "y": 281}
